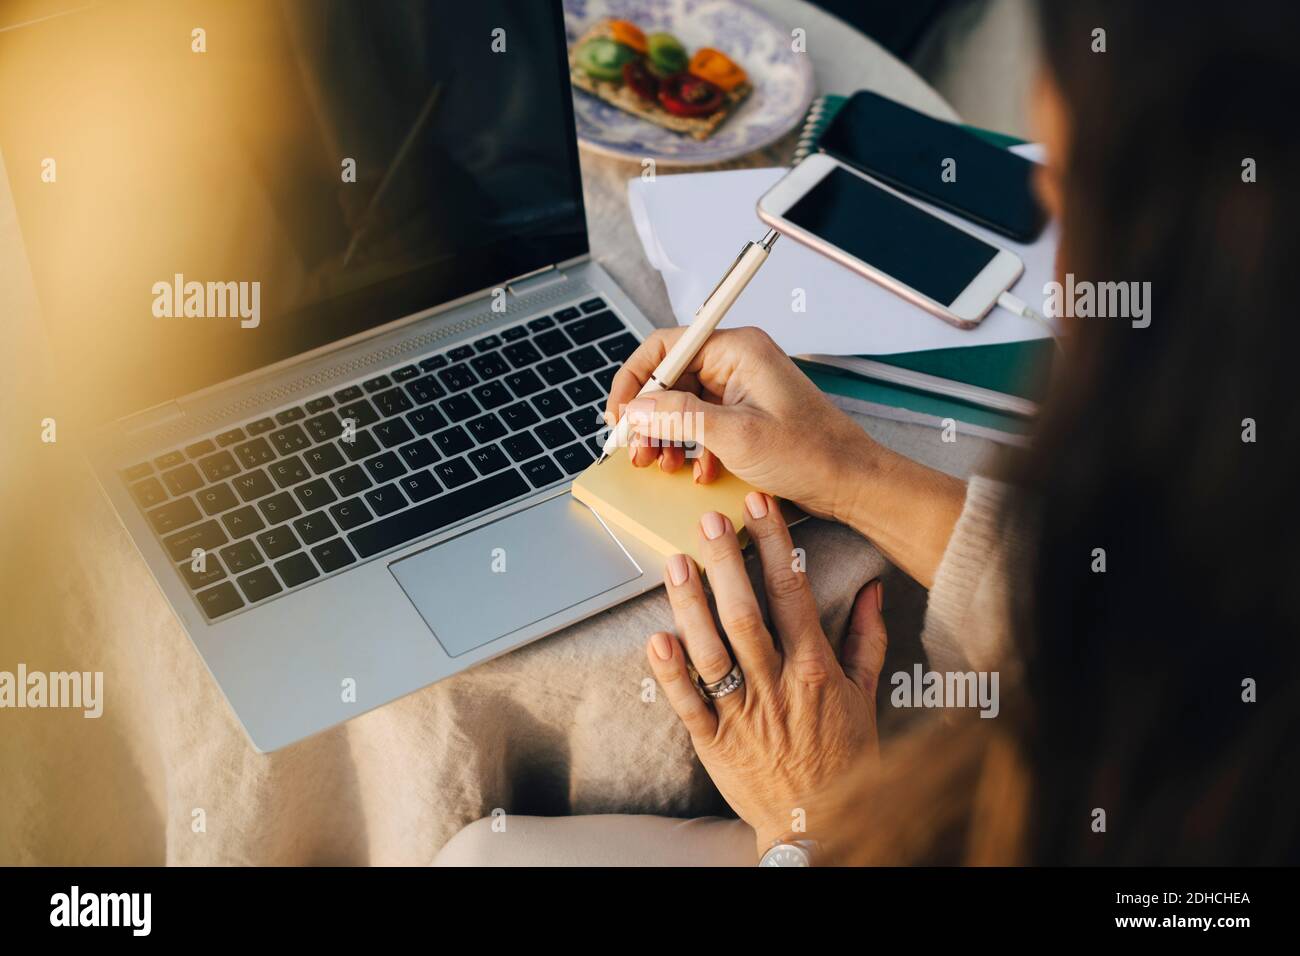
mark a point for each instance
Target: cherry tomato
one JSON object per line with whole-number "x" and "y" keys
{"x": 686, "y": 95}
{"x": 641, "y": 81}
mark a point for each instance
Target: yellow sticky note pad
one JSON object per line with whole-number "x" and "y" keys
{"x": 661, "y": 510}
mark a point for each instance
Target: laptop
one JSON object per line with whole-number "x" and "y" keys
{"x": 319, "y": 290}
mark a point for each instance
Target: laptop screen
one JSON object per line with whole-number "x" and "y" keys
{"x": 205, "y": 187}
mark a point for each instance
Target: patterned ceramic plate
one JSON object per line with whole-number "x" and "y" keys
{"x": 783, "y": 80}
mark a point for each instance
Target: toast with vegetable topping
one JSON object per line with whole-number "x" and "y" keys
{"x": 653, "y": 77}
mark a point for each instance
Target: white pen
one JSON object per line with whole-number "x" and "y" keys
{"x": 707, "y": 317}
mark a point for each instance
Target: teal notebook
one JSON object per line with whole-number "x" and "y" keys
{"x": 1019, "y": 369}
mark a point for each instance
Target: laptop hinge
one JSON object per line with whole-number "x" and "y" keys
{"x": 151, "y": 418}
{"x": 538, "y": 279}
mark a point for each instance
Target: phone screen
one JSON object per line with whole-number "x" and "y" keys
{"x": 891, "y": 235}
{"x": 911, "y": 152}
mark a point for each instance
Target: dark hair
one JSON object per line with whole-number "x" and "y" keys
{"x": 1134, "y": 677}
{"x": 1131, "y": 697}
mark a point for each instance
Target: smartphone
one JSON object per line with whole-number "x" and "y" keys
{"x": 889, "y": 239}
{"x": 938, "y": 162}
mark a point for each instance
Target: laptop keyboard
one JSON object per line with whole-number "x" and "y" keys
{"x": 283, "y": 501}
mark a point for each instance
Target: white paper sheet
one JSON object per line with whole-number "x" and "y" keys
{"x": 692, "y": 226}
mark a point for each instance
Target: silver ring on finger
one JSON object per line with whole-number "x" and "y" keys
{"x": 729, "y": 684}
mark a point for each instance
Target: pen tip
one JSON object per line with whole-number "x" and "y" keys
{"x": 601, "y": 459}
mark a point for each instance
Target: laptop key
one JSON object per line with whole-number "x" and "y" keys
{"x": 241, "y": 556}
{"x": 323, "y": 427}
{"x": 278, "y": 542}
{"x": 384, "y": 467}
{"x": 425, "y": 420}
{"x": 294, "y": 414}
{"x": 405, "y": 373}
{"x": 461, "y": 352}
{"x": 552, "y": 343}
{"x": 453, "y": 441}
{"x": 317, "y": 405}
{"x": 219, "y": 466}
{"x": 605, "y": 377}
{"x": 554, "y": 433}
{"x": 521, "y": 447}
{"x": 620, "y": 347}
{"x": 488, "y": 459}
{"x": 424, "y": 390}
{"x": 567, "y": 315}
{"x": 433, "y": 362}
{"x": 315, "y": 494}
{"x": 395, "y": 431}
{"x": 323, "y": 458}
{"x": 258, "y": 585}
{"x": 592, "y": 327}
{"x": 541, "y": 472}
{"x": 454, "y": 473}
{"x": 242, "y": 521}
{"x": 519, "y": 415}
{"x": 289, "y": 471}
{"x": 199, "y": 449}
{"x": 279, "y": 508}
{"x": 555, "y": 371}
{"x": 438, "y": 512}
{"x": 290, "y": 439}
{"x": 136, "y": 472}
{"x": 207, "y": 536}
{"x": 254, "y": 453}
{"x": 521, "y": 354}
{"x": 487, "y": 342}
{"x": 212, "y": 571}
{"x": 183, "y": 480}
{"x": 418, "y": 454}
{"x": 363, "y": 445}
{"x": 573, "y": 459}
{"x": 392, "y": 402}
{"x": 349, "y": 394}
{"x": 485, "y": 428}
{"x": 360, "y": 412}
{"x": 457, "y": 378}
{"x": 583, "y": 392}
{"x": 176, "y": 514}
{"x": 551, "y": 403}
{"x": 260, "y": 426}
{"x": 459, "y": 407}
{"x": 376, "y": 383}
{"x": 220, "y": 600}
{"x": 592, "y": 305}
{"x": 296, "y": 570}
{"x": 169, "y": 460}
{"x": 491, "y": 394}
{"x": 253, "y": 484}
{"x": 514, "y": 333}
{"x": 524, "y": 383}
{"x": 333, "y": 555}
{"x": 420, "y": 485}
{"x": 539, "y": 324}
{"x": 216, "y": 498}
{"x": 490, "y": 365}
{"x": 586, "y": 359}
{"x": 384, "y": 500}
{"x": 585, "y": 421}
{"x": 350, "y": 480}
{"x": 314, "y": 528}
{"x": 350, "y": 513}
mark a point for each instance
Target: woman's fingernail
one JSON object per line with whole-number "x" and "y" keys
{"x": 678, "y": 569}
{"x": 663, "y": 650}
{"x": 756, "y": 505}
{"x": 698, "y": 471}
{"x": 631, "y": 448}
{"x": 714, "y": 525}
{"x": 880, "y": 595}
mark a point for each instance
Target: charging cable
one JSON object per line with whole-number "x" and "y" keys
{"x": 1017, "y": 307}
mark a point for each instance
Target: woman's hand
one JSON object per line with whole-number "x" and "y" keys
{"x": 801, "y": 717}
{"x": 757, "y": 412}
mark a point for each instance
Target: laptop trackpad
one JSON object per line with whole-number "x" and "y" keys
{"x": 513, "y": 572}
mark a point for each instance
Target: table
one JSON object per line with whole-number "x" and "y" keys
{"x": 566, "y": 725}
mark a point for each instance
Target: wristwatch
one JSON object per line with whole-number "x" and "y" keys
{"x": 787, "y": 851}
